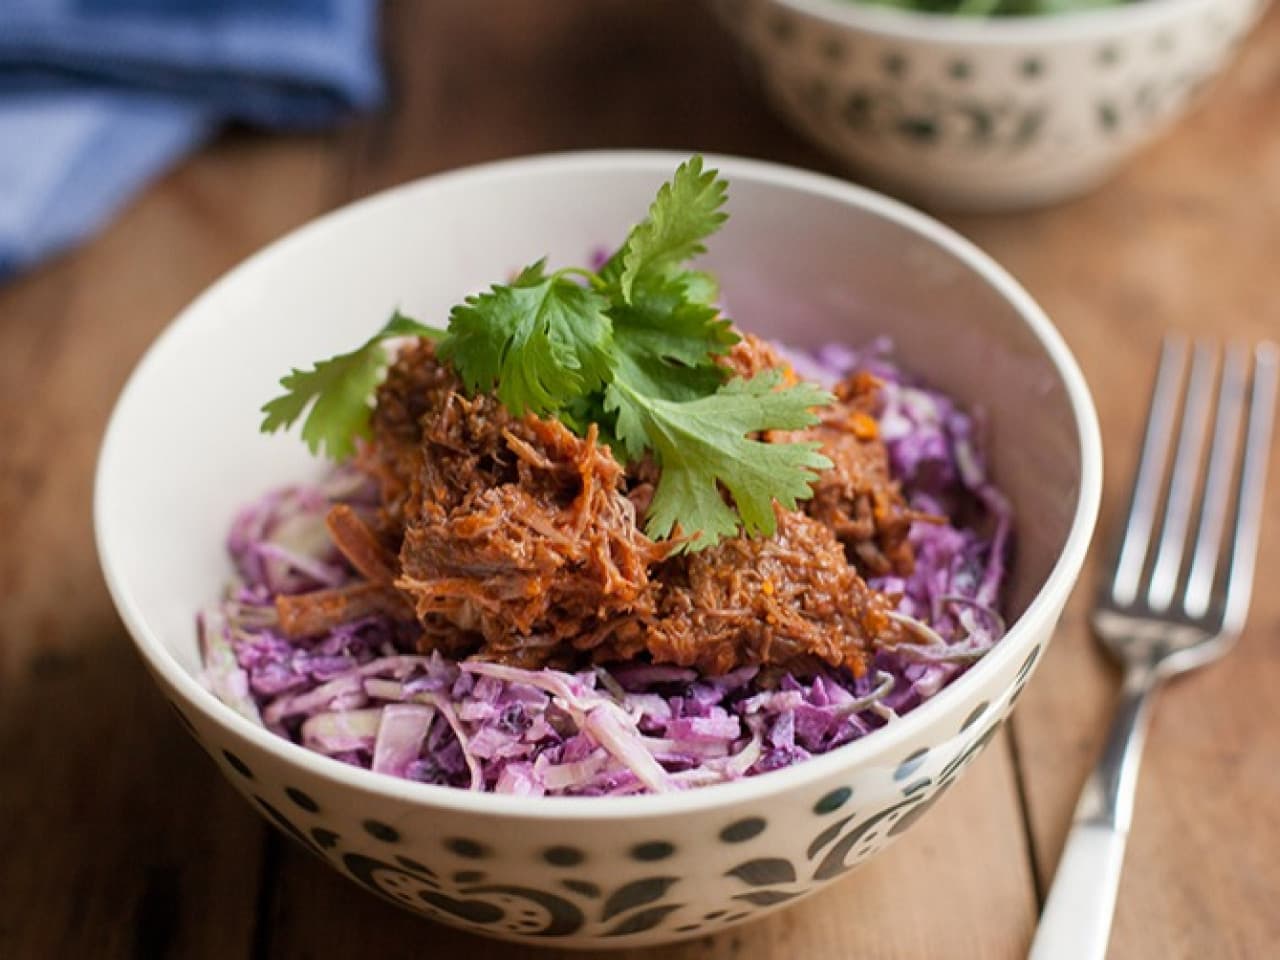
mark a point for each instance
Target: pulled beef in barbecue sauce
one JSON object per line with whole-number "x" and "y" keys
{"x": 513, "y": 539}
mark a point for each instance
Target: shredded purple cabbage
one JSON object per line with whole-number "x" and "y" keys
{"x": 363, "y": 695}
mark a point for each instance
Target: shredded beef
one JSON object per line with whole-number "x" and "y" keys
{"x": 308, "y": 614}
{"x": 752, "y": 355}
{"x": 414, "y": 386}
{"x": 360, "y": 545}
{"x": 519, "y": 542}
{"x": 785, "y": 599}
{"x": 513, "y": 539}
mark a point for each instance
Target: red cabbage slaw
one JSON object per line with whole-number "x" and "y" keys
{"x": 363, "y": 695}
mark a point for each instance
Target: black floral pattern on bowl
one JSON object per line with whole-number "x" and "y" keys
{"x": 458, "y": 888}
{"x": 935, "y": 119}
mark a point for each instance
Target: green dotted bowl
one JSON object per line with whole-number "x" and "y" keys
{"x": 985, "y": 114}
{"x": 804, "y": 258}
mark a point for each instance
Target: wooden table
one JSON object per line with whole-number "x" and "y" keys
{"x": 118, "y": 839}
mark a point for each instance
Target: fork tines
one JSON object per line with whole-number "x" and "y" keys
{"x": 1206, "y": 581}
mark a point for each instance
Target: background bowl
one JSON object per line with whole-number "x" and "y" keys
{"x": 803, "y": 258}
{"x": 985, "y": 114}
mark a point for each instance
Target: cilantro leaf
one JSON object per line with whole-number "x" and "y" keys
{"x": 685, "y": 212}
{"x": 666, "y": 328}
{"x": 666, "y": 345}
{"x": 668, "y": 356}
{"x": 703, "y": 446}
{"x": 700, "y": 287}
{"x": 337, "y": 390}
{"x": 666, "y": 324}
{"x": 539, "y": 342}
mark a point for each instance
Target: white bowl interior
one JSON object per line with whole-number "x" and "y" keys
{"x": 803, "y": 258}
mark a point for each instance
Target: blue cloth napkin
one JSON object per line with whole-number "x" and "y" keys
{"x": 97, "y": 97}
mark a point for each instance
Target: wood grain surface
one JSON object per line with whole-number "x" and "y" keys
{"x": 118, "y": 839}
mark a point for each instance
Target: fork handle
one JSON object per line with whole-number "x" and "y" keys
{"x": 1076, "y": 922}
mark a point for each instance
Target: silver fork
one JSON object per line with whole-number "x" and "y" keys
{"x": 1170, "y": 605}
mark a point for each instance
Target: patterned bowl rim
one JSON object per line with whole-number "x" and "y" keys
{"x": 1037, "y": 618}
{"x": 1042, "y": 30}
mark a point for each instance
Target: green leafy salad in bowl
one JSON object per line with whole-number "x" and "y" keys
{"x": 987, "y": 8}
{"x": 986, "y": 105}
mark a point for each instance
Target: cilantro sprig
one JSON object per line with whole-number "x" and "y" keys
{"x": 540, "y": 342}
{"x": 703, "y": 445}
{"x": 685, "y": 212}
{"x": 632, "y": 348}
{"x": 338, "y": 392}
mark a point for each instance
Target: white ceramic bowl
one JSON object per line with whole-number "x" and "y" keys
{"x": 804, "y": 258}
{"x": 985, "y": 114}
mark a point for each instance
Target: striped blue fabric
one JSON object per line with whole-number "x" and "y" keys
{"x": 97, "y": 97}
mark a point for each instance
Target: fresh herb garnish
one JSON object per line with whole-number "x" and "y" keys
{"x": 685, "y": 212}
{"x": 705, "y": 444}
{"x": 340, "y": 388}
{"x": 540, "y": 342}
{"x": 632, "y": 348}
